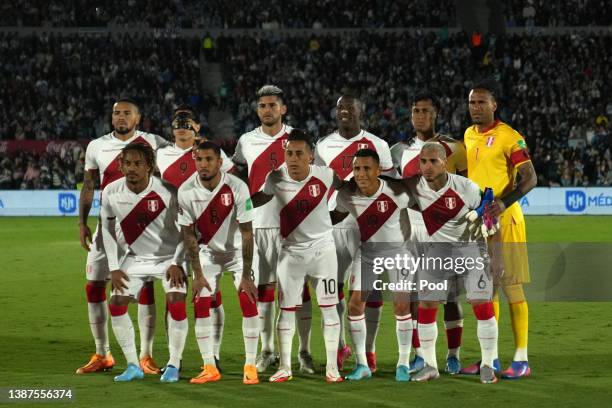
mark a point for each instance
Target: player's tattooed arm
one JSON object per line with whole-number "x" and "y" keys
{"x": 85, "y": 202}
{"x": 526, "y": 181}
{"x": 190, "y": 241}
{"x": 260, "y": 198}
{"x": 247, "y": 283}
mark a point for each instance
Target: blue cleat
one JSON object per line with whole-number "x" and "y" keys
{"x": 417, "y": 364}
{"x": 402, "y": 373}
{"x": 453, "y": 365}
{"x": 359, "y": 373}
{"x": 517, "y": 369}
{"x": 132, "y": 372}
{"x": 170, "y": 375}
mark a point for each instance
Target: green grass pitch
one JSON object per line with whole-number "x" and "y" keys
{"x": 45, "y": 336}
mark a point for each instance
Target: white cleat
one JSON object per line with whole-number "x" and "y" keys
{"x": 265, "y": 360}
{"x": 306, "y": 364}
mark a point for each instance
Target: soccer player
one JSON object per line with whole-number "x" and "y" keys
{"x": 307, "y": 247}
{"x": 176, "y": 165}
{"x": 102, "y": 156}
{"x": 214, "y": 206}
{"x": 143, "y": 243}
{"x": 336, "y": 150}
{"x": 376, "y": 205}
{"x": 262, "y": 151}
{"x": 444, "y": 199}
{"x": 405, "y": 155}
{"x": 498, "y": 157}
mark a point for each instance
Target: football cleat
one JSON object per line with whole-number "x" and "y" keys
{"x": 453, "y": 365}
{"x": 417, "y": 364}
{"x": 306, "y": 365}
{"x": 426, "y": 374}
{"x": 132, "y": 372}
{"x": 517, "y": 369}
{"x": 343, "y": 354}
{"x": 250, "y": 375}
{"x": 97, "y": 363}
{"x": 265, "y": 360}
{"x": 359, "y": 373}
{"x": 487, "y": 375}
{"x": 371, "y": 358}
{"x": 402, "y": 373}
{"x": 474, "y": 369}
{"x": 332, "y": 375}
{"x": 170, "y": 375}
{"x": 282, "y": 375}
{"x": 148, "y": 365}
{"x": 209, "y": 374}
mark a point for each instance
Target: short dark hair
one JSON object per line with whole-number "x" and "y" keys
{"x": 145, "y": 150}
{"x": 300, "y": 134}
{"x": 208, "y": 145}
{"x": 427, "y": 96}
{"x": 270, "y": 90}
{"x": 127, "y": 99}
{"x": 368, "y": 153}
{"x": 183, "y": 107}
{"x": 488, "y": 85}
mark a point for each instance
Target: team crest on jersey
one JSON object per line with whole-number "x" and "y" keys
{"x": 361, "y": 146}
{"x": 490, "y": 141}
{"x": 226, "y": 199}
{"x": 450, "y": 202}
{"x": 382, "y": 206}
{"x": 152, "y": 205}
{"x": 314, "y": 190}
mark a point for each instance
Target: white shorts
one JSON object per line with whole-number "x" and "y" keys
{"x": 366, "y": 276}
{"x": 267, "y": 245}
{"x": 96, "y": 268}
{"x": 213, "y": 266}
{"x": 317, "y": 262}
{"x": 347, "y": 243}
{"x": 140, "y": 271}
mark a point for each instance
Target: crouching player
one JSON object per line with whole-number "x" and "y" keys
{"x": 376, "y": 205}
{"x": 444, "y": 199}
{"x": 213, "y": 206}
{"x": 139, "y": 220}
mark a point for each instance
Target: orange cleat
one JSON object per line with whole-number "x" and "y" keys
{"x": 97, "y": 363}
{"x": 209, "y": 374}
{"x": 148, "y": 365}
{"x": 250, "y": 375}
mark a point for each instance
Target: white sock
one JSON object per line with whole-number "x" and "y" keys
{"x": 487, "y": 337}
{"x": 304, "y": 323}
{"x": 357, "y": 329}
{"x": 285, "y": 331}
{"x": 403, "y": 329}
{"x": 124, "y": 332}
{"x": 341, "y": 308}
{"x": 177, "y": 334}
{"x": 146, "y": 326}
{"x": 331, "y": 334}
{"x": 203, "y": 332}
{"x": 266, "y": 312}
{"x": 250, "y": 333}
{"x": 428, "y": 333}
{"x": 372, "y": 319}
{"x": 98, "y": 318}
{"x": 217, "y": 314}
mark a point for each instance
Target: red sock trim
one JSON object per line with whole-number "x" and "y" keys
{"x": 265, "y": 295}
{"x": 117, "y": 310}
{"x": 323, "y": 306}
{"x": 427, "y": 315}
{"x": 178, "y": 311}
{"x": 202, "y": 307}
{"x": 375, "y": 304}
{"x": 216, "y": 301}
{"x": 289, "y": 309}
{"x": 249, "y": 309}
{"x": 147, "y": 295}
{"x": 95, "y": 294}
{"x": 306, "y": 293}
{"x": 453, "y": 337}
{"x": 484, "y": 311}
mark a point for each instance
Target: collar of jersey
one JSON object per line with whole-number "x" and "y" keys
{"x": 221, "y": 182}
{"x": 276, "y": 136}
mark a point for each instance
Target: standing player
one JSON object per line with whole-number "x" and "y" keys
{"x": 376, "y": 205}
{"x": 176, "y": 165}
{"x": 214, "y": 206}
{"x": 498, "y": 158}
{"x": 307, "y": 247}
{"x": 425, "y": 108}
{"x": 444, "y": 199}
{"x": 102, "y": 156}
{"x": 142, "y": 242}
{"x": 337, "y": 150}
{"x": 262, "y": 151}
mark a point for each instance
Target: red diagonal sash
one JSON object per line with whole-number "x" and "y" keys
{"x": 112, "y": 172}
{"x": 270, "y": 159}
{"x": 304, "y": 202}
{"x": 411, "y": 168}
{"x": 215, "y": 214}
{"x": 143, "y": 214}
{"x": 375, "y": 216}
{"x": 179, "y": 171}
{"x": 343, "y": 163}
{"x": 441, "y": 211}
